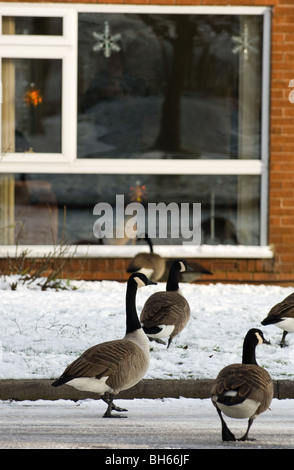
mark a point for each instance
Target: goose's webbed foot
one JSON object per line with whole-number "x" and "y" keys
{"x": 108, "y": 398}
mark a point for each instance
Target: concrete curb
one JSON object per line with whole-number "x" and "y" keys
{"x": 34, "y": 389}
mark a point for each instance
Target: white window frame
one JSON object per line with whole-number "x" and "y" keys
{"x": 46, "y": 47}
{"x": 65, "y": 47}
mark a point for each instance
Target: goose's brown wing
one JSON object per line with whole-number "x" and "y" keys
{"x": 166, "y": 308}
{"x": 284, "y": 308}
{"x": 251, "y": 381}
{"x": 104, "y": 359}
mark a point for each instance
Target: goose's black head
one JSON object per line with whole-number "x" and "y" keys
{"x": 182, "y": 265}
{"x": 255, "y": 336}
{"x": 141, "y": 280}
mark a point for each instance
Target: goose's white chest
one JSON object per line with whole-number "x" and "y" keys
{"x": 287, "y": 324}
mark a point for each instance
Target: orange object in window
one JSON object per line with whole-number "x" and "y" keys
{"x": 33, "y": 96}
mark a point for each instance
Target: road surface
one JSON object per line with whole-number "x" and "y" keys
{"x": 183, "y": 424}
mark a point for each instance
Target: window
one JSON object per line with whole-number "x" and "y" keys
{"x": 111, "y": 100}
{"x": 169, "y": 86}
{"x": 35, "y": 104}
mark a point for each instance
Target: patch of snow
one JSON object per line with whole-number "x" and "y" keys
{"x": 43, "y": 331}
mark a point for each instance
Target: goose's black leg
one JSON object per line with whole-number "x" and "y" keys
{"x": 245, "y": 437}
{"x": 227, "y": 435}
{"x": 283, "y": 343}
{"x": 108, "y": 398}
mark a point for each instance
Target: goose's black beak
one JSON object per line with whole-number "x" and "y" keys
{"x": 266, "y": 341}
{"x": 150, "y": 283}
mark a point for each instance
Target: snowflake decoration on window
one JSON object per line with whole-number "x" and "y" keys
{"x": 244, "y": 43}
{"x": 106, "y": 41}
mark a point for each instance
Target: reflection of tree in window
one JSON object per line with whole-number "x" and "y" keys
{"x": 173, "y": 90}
{"x": 196, "y": 67}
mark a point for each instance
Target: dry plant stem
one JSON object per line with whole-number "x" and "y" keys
{"x": 47, "y": 271}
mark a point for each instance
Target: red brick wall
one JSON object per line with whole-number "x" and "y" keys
{"x": 281, "y": 185}
{"x": 224, "y": 270}
{"x": 281, "y": 180}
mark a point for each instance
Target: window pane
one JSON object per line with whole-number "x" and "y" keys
{"x": 32, "y": 25}
{"x": 169, "y": 86}
{"x": 31, "y": 110}
{"x": 53, "y": 207}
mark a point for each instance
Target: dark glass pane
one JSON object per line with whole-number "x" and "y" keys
{"x": 169, "y": 86}
{"x": 32, "y": 25}
{"x": 50, "y": 208}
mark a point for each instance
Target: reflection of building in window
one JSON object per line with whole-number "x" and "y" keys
{"x": 230, "y": 221}
{"x": 218, "y": 230}
{"x": 36, "y": 213}
{"x": 174, "y": 90}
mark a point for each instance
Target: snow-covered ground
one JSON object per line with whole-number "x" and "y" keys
{"x": 43, "y": 331}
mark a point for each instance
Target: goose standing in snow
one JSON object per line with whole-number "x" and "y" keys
{"x": 166, "y": 313}
{"x": 282, "y": 316}
{"x": 243, "y": 390}
{"x": 151, "y": 264}
{"x": 112, "y": 366}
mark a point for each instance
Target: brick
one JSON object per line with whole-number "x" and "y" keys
{"x": 240, "y": 277}
{"x": 263, "y": 265}
{"x": 278, "y": 194}
{"x": 284, "y": 10}
{"x": 119, "y": 264}
{"x": 286, "y": 29}
{"x": 285, "y": 231}
{"x": 285, "y": 268}
{"x": 288, "y": 129}
{"x": 287, "y": 277}
{"x": 265, "y": 277}
{"x": 287, "y": 259}
{"x": 288, "y": 203}
{"x": 287, "y": 183}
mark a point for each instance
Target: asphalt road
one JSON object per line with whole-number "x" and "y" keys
{"x": 183, "y": 424}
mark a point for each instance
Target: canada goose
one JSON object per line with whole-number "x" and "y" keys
{"x": 282, "y": 316}
{"x": 243, "y": 390}
{"x": 166, "y": 313}
{"x": 151, "y": 264}
{"x": 186, "y": 276}
{"x": 112, "y": 366}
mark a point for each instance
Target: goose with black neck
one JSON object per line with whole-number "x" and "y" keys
{"x": 112, "y": 366}
{"x": 243, "y": 390}
{"x": 166, "y": 313}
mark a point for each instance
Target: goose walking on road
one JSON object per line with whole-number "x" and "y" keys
{"x": 243, "y": 390}
{"x": 112, "y": 366}
{"x": 166, "y": 313}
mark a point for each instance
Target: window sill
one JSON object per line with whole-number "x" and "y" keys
{"x": 126, "y": 251}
